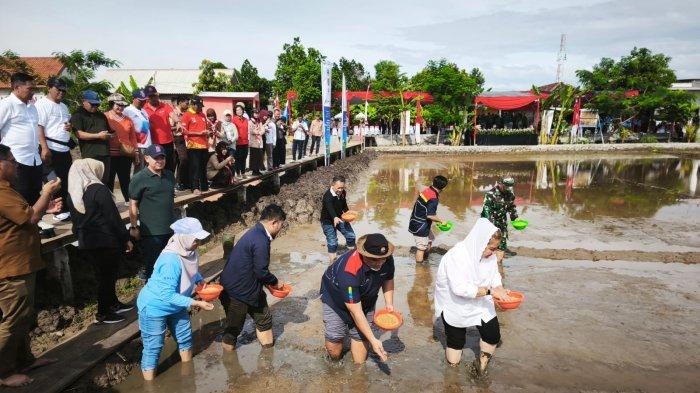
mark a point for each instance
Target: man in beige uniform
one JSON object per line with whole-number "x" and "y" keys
{"x": 20, "y": 259}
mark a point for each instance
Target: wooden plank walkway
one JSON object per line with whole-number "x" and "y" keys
{"x": 65, "y": 236}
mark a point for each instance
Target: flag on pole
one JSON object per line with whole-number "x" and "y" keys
{"x": 276, "y": 102}
{"x": 287, "y": 113}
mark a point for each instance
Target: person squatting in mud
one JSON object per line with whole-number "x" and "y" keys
{"x": 467, "y": 282}
{"x": 424, "y": 214}
{"x": 349, "y": 292}
{"x": 244, "y": 275}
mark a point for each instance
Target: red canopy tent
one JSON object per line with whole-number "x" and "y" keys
{"x": 507, "y": 101}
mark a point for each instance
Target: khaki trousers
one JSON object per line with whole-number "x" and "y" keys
{"x": 18, "y": 315}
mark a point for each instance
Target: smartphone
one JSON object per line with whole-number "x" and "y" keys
{"x": 51, "y": 176}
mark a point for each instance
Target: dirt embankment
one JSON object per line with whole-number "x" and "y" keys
{"x": 300, "y": 198}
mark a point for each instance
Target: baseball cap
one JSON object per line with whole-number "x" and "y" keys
{"x": 117, "y": 99}
{"x": 154, "y": 151}
{"x": 91, "y": 97}
{"x": 196, "y": 101}
{"x": 189, "y": 226}
{"x": 150, "y": 90}
{"x": 139, "y": 94}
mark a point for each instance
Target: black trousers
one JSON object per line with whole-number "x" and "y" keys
{"x": 29, "y": 181}
{"x": 182, "y": 173}
{"x": 297, "y": 149}
{"x": 105, "y": 262}
{"x": 241, "y": 158}
{"x": 169, "y": 156}
{"x": 198, "y": 168}
{"x": 256, "y": 160}
{"x": 236, "y": 312}
{"x": 306, "y": 144}
{"x": 60, "y": 164}
{"x": 120, "y": 166}
{"x": 315, "y": 141}
{"x": 279, "y": 154}
{"x": 151, "y": 247}
{"x": 456, "y": 337}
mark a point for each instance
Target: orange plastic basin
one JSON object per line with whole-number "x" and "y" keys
{"x": 209, "y": 292}
{"x": 349, "y": 216}
{"x": 280, "y": 293}
{"x": 388, "y": 320}
{"x": 518, "y": 298}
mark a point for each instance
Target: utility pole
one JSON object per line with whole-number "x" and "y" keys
{"x": 561, "y": 57}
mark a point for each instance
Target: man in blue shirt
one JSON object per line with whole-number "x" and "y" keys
{"x": 245, "y": 273}
{"x": 349, "y": 292}
{"x": 424, "y": 214}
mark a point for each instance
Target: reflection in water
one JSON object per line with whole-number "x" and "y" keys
{"x": 419, "y": 303}
{"x": 582, "y": 188}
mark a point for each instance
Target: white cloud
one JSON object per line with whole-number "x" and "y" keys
{"x": 514, "y": 42}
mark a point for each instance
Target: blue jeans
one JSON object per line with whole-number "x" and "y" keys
{"x": 332, "y": 237}
{"x": 153, "y": 335}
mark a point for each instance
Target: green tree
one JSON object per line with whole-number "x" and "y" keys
{"x": 388, "y": 77}
{"x": 356, "y": 78}
{"x": 210, "y": 80}
{"x": 452, "y": 88}
{"x": 10, "y": 62}
{"x": 248, "y": 79}
{"x": 80, "y": 70}
{"x": 299, "y": 70}
{"x": 641, "y": 70}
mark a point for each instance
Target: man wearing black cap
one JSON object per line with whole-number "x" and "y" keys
{"x": 349, "y": 292}
{"x": 151, "y": 204}
{"x": 54, "y": 135}
{"x": 93, "y": 131}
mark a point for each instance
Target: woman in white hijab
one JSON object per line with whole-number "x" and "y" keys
{"x": 467, "y": 281}
{"x": 163, "y": 302}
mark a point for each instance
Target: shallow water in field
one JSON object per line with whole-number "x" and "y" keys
{"x": 586, "y": 325}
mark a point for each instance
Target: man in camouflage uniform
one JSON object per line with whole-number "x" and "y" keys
{"x": 498, "y": 202}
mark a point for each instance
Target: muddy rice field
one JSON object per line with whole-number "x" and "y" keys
{"x": 609, "y": 268}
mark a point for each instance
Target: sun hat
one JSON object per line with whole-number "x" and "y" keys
{"x": 117, "y": 99}
{"x": 374, "y": 245}
{"x": 241, "y": 104}
{"x": 189, "y": 226}
{"x": 227, "y": 112}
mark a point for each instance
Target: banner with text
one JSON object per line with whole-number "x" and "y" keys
{"x": 326, "y": 101}
{"x": 344, "y": 124}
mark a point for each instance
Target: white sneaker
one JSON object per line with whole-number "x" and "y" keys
{"x": 61, "y": 216}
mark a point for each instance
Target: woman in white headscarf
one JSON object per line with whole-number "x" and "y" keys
{"x": 163, "y": 302}
{"x": 467, "y": 281}
{"x": 102, "y": 236}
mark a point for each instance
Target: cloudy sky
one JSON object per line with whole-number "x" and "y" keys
{"x": 514, "y": 42}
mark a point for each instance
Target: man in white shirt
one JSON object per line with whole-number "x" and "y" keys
{"x": 18, "y": 131}
{"x": 54, "y": 126}
{"x": 138, "y": 115}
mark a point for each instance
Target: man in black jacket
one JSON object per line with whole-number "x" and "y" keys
{"x": 245, "y": 273}
{"x": 333, "y": 206}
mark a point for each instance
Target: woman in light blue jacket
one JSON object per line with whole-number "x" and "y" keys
{"x": 163, "y": 302}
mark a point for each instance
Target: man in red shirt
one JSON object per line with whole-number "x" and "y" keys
{"x": 161, "y": 130}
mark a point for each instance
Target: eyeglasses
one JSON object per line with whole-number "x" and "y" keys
{"x": 121, "y": 105}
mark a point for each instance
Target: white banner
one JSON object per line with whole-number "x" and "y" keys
{"x": 326, "y": 100}
{"x": 344, "y": 124}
